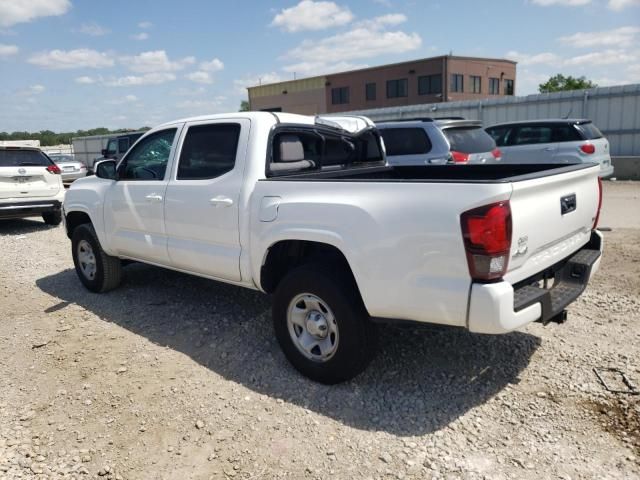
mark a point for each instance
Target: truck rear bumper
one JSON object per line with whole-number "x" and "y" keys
{"x": 500, "y": 308}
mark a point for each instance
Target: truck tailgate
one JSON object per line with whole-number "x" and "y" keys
{"x": 552, "y": 218}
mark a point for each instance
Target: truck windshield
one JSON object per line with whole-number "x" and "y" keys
{"x": 23, "y": 158}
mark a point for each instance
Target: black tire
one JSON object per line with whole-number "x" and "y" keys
{"x": 52, "y": 218}
{"x": 335, "y": 285}
{"x": 108, "y": 269}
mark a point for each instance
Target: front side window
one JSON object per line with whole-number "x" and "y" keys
{"x": 370, "y": 91}
{"x": 476, "y": 84}
{"x": 457, "y": 82}
{"x": 149, "y": 158}
{"x": 397, "y": 88}
{"x": 494, "y": 86}
{"x": 208, "y": 151}
{"x": 430, "y": 85}
{"x": 123, "y": 145}
{"x": 508, "y": 87}
{"x": 112, "y": 147}
{"x": 340, "y": 95}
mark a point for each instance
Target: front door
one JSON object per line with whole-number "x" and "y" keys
{"x": 134, "y": 205}
{"x": 203, "y": 197}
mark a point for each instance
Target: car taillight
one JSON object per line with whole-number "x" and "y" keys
{"x": 496, "y": 153}
{"x": 459, "y": 157}
{"x": 83, "y": 167}
{"x": 487, "y": 240}
{"x": 595, "y": 222}
{"x": 53, "y": 169}
{"x": 588, "y": 148}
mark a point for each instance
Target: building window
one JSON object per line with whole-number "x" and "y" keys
{"x": 430, "y": 85}
{"x": 508, "y": 87}
{"x": 476, "y": 84}
{"x": 370, "y": 91}
{"x": 340, "y": 95}
{"x": 494, "y": 86}
{"x": 457, "y": 82}
{"x": 397, "y": 88}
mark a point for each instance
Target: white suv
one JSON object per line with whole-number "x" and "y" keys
{"x": 30, "y": 185}
{"x": 553, "y": 141}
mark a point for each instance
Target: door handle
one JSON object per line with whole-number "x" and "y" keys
{"x": 154, "y": 197}
{"x": 549, "y": 149}
{"x": 221, "y": 201}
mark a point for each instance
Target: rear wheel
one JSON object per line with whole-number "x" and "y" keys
{"x": 321, "y": 323}
{"x": 97, "y": 271}
{"x": 52, "y": 218}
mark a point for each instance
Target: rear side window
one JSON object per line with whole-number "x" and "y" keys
{"x": 589, "y": 131}
{"x": 469, "y": 139}
{"x": 209, "y": 151}
{"x": 531, "y": 135}
{"x": 23, "y": 158}
{"x": 564, "y": 133}
{"x": 123, "y": 145}
{"x": 405, "y": 141}
{"x": 499, "y": 134}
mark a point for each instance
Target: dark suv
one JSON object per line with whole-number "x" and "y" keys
{"x": 118, "y": 146}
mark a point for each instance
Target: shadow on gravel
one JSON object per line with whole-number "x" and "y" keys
{"x": 22, "y": 226}
{"x": 421, "y": 380}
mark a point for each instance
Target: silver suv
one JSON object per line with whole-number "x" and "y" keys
{"x": 553, "y": 141}
{"x": 430, "y": 141}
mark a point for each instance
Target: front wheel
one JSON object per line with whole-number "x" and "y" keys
{"x": 321, "y": 323}
{"x": 97, "y": 271}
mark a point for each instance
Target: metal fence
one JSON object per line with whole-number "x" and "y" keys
{"x": 615, "y": 110}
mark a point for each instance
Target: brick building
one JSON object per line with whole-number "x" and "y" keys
{"x": 429, "y": 80}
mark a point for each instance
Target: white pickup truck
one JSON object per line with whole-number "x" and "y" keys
{"x": 306, "y": 209}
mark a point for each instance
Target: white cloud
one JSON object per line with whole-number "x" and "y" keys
{"x": 354, "y": 44}
{"x": 618, "y": 5}
{"x": 214, "y": 65}
{"x": 155, "y": 61}
{"x": 240, "y": 85}
{"x": 67, "y": 59}
{"x": 311, "y": 15}
{"x": 383, "y": 20}
{"x": 8, "y": 50}
{"x": 31, "y": 90}
{"x": 140, "y": 36}
{"x": 13, "y": 12}
{"x": 130, "y": 98}
{"x": 190, "y": 92}
{"x": 85, "y": 80}
{"x": 545, "y": 58}
{"x": 145, "y": 25}
{"x": 93, "y": 29}
{"x": 620, "y": 37}
{"x": 606, "y": 57}
{"x": 137, "y": 80}
{"x": 200, "y": 104}
{"x": 320, "y": 67}
{"x": 199, "y": 77}
{"x": 562, "y": 3}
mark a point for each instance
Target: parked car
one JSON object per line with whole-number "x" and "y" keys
{"x": 307, "y": 209}
{"x": 30, "y": 185}
{"x": 71, "y": 169}
{"x": 437, "y": 141}
{"x": 117, "y": 147}
{"x": 553, "y": 141}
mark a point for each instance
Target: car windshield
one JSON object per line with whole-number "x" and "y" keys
{"x": 469, "y": 139}
{"x": 23, "y": 158}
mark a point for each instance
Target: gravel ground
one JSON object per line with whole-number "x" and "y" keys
{"x": 176, "y": 377}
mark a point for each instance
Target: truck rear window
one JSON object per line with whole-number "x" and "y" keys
{"x": 589, "y": 131}
{"x": 23, "y": 158}
{"x": 405, "y": 141}
{"x": 469, "y": 139}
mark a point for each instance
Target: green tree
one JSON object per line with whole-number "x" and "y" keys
{"x": 560, "y": 83}
{"x": 244, "y": 106}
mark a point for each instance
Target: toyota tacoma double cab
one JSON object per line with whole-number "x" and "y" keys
{"x": 307, "y": 209}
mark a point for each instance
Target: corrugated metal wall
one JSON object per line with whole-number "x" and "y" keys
{"x": 615, "y": 110}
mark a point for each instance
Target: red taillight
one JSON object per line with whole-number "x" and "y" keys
{"x": 496, "y": 153}
{"x": 53, "y": 169}
{"x": 487, "y": 239}
{"x": 595, "y": 222}
{"x": 459, "y": 157}
{"x": 588, "y": 148}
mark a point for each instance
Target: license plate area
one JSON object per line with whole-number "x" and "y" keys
{"x": 22, "y": 179}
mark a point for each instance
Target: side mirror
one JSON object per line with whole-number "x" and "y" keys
{"x": 103, "y": 152}
{"x": 106, "y": 169}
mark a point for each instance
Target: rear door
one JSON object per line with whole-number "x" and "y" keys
{"x": 202, "y": 199}
{"x": 24, "y": 174}
{"x": 529, "y": 144}
{"x": 552, "y": 217}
